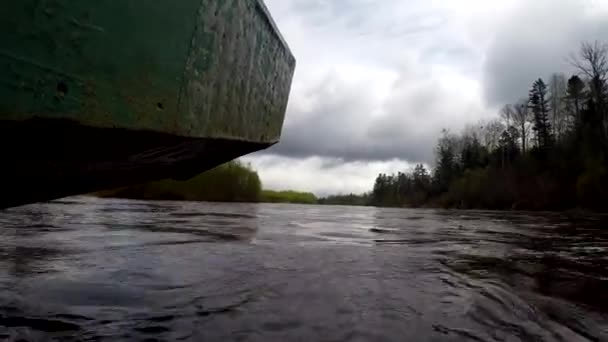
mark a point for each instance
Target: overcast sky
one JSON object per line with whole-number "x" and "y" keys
{"x": 377, "y": 80}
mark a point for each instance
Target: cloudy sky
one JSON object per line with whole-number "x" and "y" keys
{"x": 377, "y": 80}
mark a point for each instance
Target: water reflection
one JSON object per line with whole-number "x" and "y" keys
{"x": 209, "y": 223}
{"x": 23, "y": 250}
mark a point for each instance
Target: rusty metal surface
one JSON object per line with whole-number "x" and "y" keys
{"x": 192, "y": 68}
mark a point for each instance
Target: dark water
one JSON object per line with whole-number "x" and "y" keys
{"x": 90, "y": 270}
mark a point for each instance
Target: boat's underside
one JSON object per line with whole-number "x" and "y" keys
{"x": 48, "y": 159}
{"x": 103, "y": 94}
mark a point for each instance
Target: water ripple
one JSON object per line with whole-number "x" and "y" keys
{"x": 87, "y": 269}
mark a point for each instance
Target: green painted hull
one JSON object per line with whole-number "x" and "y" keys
{"x": 81, "y": 80}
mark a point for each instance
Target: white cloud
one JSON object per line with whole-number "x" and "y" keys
{"x": 322, "y": 176}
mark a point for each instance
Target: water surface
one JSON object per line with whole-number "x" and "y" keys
{"x": 88, "y": 269}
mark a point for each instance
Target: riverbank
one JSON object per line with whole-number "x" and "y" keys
{"x": 231, "y": 182}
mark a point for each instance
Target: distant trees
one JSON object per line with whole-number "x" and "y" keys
{"x": 350, "y": 199}
{"x": 493, "y": 164}
{"x": 473, "y": 154}
{"x": 269, "y": 196}
{"x": 403, "y": 189}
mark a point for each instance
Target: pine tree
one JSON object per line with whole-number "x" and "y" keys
{"x": 540, "y": 108}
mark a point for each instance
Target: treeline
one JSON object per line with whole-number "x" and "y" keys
{"x": 350, "y": 199}
{"x": 269, "y": 196}
{"x": 547, "y": 151}
{"x": 231, "y": 182}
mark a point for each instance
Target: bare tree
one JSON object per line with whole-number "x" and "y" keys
{"x": 491, "y": 132}
{"x": 593, "y": 62}
{"x": 558, "y": 89}
{"x": 506, "y": 113}
{"x": 521, "y": 119}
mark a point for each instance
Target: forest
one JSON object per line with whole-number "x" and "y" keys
{"x": 230, "y": 182}
{"x": 545, "y": 151}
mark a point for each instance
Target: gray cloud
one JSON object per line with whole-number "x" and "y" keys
{"x": 370, "y": 91}
{"x": 348, "y": 120}
{"x": 536, "y": 41}
{"x": 377, "y": 80}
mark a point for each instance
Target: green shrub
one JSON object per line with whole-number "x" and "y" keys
{"x": 270, "y": 196}
{"x": 231, "y": 182}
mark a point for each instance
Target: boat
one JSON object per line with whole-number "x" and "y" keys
{"x": 102, "y": 94}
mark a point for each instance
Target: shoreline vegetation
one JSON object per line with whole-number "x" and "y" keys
{"x": 547, "y": 151}
{"x": 230, "y": 182}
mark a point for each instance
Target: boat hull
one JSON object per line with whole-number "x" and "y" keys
{"x": 89, "y": 90}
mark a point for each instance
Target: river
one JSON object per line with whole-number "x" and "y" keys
{"x": 87, "y": 269}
